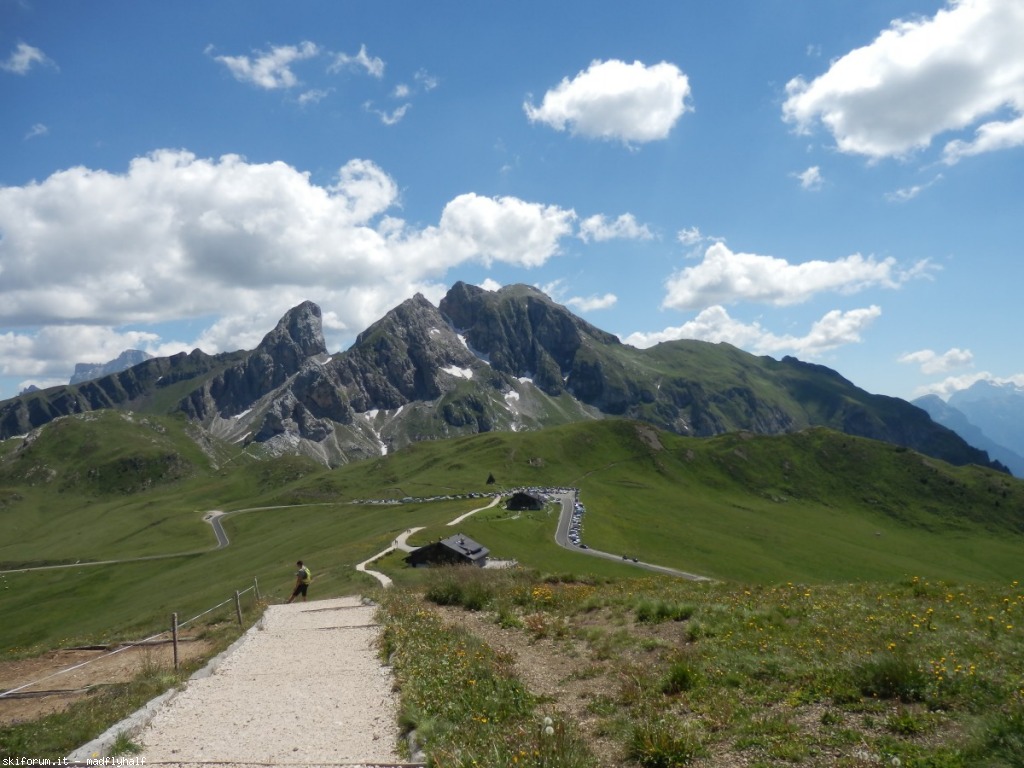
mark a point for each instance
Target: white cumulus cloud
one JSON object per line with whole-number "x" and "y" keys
{"x": 714, "y": 324}
{"x": 373, "y": 65}
{"x": 906, "y": 194}
{"x": 593, "y": 303}
{"x": 625, "y": 227}
{"x": 921, "y": 78}
{"x": 932, "y": 362}
{"x": 36, "y": 130}
{"x": 989, "y": 137}
{"x": 724, "y": 277}
{"x": 270, "y": 69}
{"x": 388, "y": 118}
{"x": 313, "y": 96}
{"x": 23, "y": 58}
{"x": 177, "y": 236}
{"x": 618, "y": 101}
{"x": 811, "y": 179}
{"x": 426, "y": 80}
{"x": 689, "y": 236}
{"x": 505, "y": 229}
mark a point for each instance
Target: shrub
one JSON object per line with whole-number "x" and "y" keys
{"x": 507, "y": 618}
{"x": 680, "y": 677}
{"x": 664, "y": 743}
{"x": 657, "y": 611}
{"x": 445, "y": 591}
{"x": 890, "y": 677}
{"x": 907, "y": 723}
{"x": 124, "y": 745}
{"x": 460, "y": 586}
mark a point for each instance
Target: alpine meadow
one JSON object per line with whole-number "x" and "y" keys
{"x": 512, "y": 385}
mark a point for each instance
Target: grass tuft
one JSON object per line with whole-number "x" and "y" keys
{"x": 887, "y": 676}
{"x": 664, "y": 742}
{"x": 680, "y": 677}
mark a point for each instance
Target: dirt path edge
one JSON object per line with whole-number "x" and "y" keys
{"x": 133, "y": 725}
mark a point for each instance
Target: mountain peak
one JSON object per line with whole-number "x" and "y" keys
{"x": 522, "y": 331}
{"x": 301, "y": 328}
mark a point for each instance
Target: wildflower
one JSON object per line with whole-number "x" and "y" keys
{"x": 549, "y": 730}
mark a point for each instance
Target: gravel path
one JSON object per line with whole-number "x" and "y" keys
{"x": 305, "y": 687}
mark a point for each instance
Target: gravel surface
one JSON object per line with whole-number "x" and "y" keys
{"x": 304, "y": 687}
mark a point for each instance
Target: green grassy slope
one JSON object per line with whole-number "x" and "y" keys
{"x": 101, "y": 485}
{"x": 817, "y": 506}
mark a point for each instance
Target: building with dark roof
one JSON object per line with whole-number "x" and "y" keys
{"x": 455, "y": 550}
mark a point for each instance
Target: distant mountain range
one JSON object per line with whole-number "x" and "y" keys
{"x": 987, "y": 415}
{"x": 481, "y": 361}
{"x": 128, "y": 358}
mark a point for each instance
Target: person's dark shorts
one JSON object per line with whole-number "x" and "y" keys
{"x": 300, "y": 589}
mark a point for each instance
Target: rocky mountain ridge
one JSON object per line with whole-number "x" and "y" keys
{"x": 127, "y": 359}
{"x": 511, "y": 359}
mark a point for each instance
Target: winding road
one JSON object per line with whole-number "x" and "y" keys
{"x": 214, "y": 518}
{"x": 401, "y": 543}
{"x": 567, "y": 500}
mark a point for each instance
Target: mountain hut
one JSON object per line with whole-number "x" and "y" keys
{"x": 455, "y": 550}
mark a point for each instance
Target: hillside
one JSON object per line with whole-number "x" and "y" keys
{"x": 481, "y": 361}
{"x": 816, "y": 504}
{"x": 859, "y": 537}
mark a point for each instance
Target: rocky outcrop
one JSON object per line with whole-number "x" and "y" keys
{"x": 127, "y": 359}
{"x": 522, "y": 332}
{"x": 400, "y": 357}
{"x": 297, "y": 337}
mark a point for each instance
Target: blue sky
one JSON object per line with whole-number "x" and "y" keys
{"x": 837, "y": 181}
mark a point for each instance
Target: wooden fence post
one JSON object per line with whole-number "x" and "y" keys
{"x": 174, "y": 638}
{"x": 256, "y": 586}
{"x": 238, "y": 607}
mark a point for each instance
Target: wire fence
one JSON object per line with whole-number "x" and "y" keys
{"x": 128, "y": 645}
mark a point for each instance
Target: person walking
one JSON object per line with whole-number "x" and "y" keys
{"x": 302, "y": 578}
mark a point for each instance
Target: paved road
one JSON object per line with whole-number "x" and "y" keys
{"x": 567, "y": 501}
{"x": 213, "y": 518}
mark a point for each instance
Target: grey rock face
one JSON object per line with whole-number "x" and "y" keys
{"x": 127, "y": 359}
{"x": 297, "y": 337}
